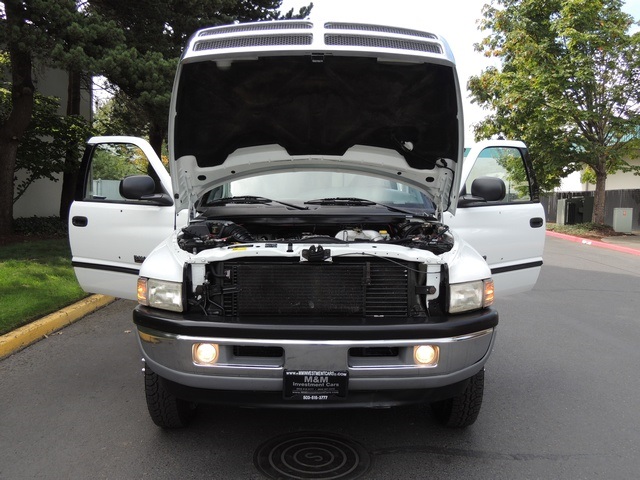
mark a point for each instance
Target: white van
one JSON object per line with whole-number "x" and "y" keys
{"x": 303, "y": 251}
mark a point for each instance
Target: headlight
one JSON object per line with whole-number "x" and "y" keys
{"x": 160, "y": 294}
{"x": 470, "y": 296}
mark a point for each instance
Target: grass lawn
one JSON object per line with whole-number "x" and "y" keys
{"x": 36, "y": 278}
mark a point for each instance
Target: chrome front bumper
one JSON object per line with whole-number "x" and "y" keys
{"x": 170, "y": 356}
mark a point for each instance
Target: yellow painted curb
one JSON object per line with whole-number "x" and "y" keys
{"x": 31, "y": 333}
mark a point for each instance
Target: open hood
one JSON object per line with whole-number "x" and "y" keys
{"x": 240, "y": 110}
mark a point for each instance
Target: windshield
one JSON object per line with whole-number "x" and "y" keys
{"x": 301, "y": 187}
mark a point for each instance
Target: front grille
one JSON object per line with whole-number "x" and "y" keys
{"x": 350, "y": 289}
{"x": 253, "y": 41}
{"x": 381, "y": 42}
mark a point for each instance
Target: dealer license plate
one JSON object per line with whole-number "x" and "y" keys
{"x": 315, "y": 385}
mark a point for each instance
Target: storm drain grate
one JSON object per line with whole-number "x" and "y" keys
{"x": 312, "y": 455}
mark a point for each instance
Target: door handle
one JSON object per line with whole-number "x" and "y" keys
{"x": 79, "y": 221}
{"x": 536, "y": 222}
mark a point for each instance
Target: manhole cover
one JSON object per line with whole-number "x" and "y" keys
{"x": 310, "y": 455}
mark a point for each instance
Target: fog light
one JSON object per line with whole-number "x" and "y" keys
{"x": 426, "y": 355}
{"x": 205, "y": 353}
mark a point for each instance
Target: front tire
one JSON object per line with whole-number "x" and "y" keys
{"x": 165, "y": 409}
{"x": 463, "y": 410}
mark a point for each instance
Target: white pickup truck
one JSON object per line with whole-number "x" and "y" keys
{"x": 322, "y": 240}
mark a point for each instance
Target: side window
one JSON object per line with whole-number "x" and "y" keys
{"x": 506, "y": 164}
{"x": 110, "y": 163}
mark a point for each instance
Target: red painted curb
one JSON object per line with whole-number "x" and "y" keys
{"x": 595, "y": 243}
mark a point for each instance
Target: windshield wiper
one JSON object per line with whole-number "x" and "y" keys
{"x": 355, "y": 202}
{"x": 250, "y": 199}
{"x": 346, "y": 201}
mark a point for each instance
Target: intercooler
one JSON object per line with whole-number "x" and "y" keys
{"x": 352, "y": 289}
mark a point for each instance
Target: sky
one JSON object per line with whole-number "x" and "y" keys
{"x": 455, "y": 20}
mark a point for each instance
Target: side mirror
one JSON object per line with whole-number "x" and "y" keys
{"x": 483, "y": 190}
{"x": 491, "y": 189}
{"x": 142, "y": 187}
{"x": 136, "y": 186}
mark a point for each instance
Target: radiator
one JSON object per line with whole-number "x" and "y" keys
{"x": 360, "y": 289}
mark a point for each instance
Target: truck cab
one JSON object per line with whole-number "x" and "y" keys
{"x": 316, "y": 237}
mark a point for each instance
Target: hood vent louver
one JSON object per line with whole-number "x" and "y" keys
{"x": 379, "y": 29}
{"x": 256, "y": 27}
{"x": 261, "y": 41}
{"x": 381, "y": 42}
{"x": 342, "y": 34}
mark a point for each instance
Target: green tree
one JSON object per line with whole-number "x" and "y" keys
{"x": 568, "y": 85}
{"x": 119, "y": 115}
{"x": 80, "y": 39}
{"x": 136, "y": 44}
{"x": 115, "y": 162}
{"x": 48, "y": 138}
{"x": 56, "y": 33}
{"x": 15, "y": 119}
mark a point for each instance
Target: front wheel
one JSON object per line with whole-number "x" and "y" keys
{"x": 463, "y": 410}
{"x": 165, "y": 409}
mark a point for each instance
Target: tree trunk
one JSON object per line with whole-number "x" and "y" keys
{"x": 71, "y": 166}
{"x": 14, "y": 126}
{"x": 156, "y": 137}
{"x": 599, "y": 195}
{"x": 8, "y": 151}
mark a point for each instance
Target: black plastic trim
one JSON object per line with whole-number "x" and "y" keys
{"x": 278, "y": 328}
{"x": 484, "y": 203}
{"x": 513, "y": 268}
{"x": 106, "y": 268}
{"x": 79, "y": 221}
{"x": 536, "y": 222}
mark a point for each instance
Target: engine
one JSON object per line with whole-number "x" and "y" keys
{"x": 413, "y": 233}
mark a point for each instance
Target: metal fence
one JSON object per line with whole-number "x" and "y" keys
{"x": 613, "y": 199}
{"x": 109, "y": 189}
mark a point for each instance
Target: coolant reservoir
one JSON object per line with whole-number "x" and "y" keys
{"x": 352, "y": 235}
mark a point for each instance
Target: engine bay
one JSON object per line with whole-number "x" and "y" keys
{"x": 203, "y": 234}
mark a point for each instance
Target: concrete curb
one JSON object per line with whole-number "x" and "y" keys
{"x": 595, "y": 243}
{"x": 24, "y": 336}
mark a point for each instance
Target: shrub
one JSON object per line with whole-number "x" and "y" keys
{"x": 40, "y": 226}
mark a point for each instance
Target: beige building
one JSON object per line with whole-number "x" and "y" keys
{"x": 616, "y": 181}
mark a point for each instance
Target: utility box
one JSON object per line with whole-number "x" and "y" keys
{"x": 587, "y": 210}
{"x": 574, "y": 210}
{"x": 623, "y": 220}
{"x": 571, "y": 215}
{"x": 561, "y": 211}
